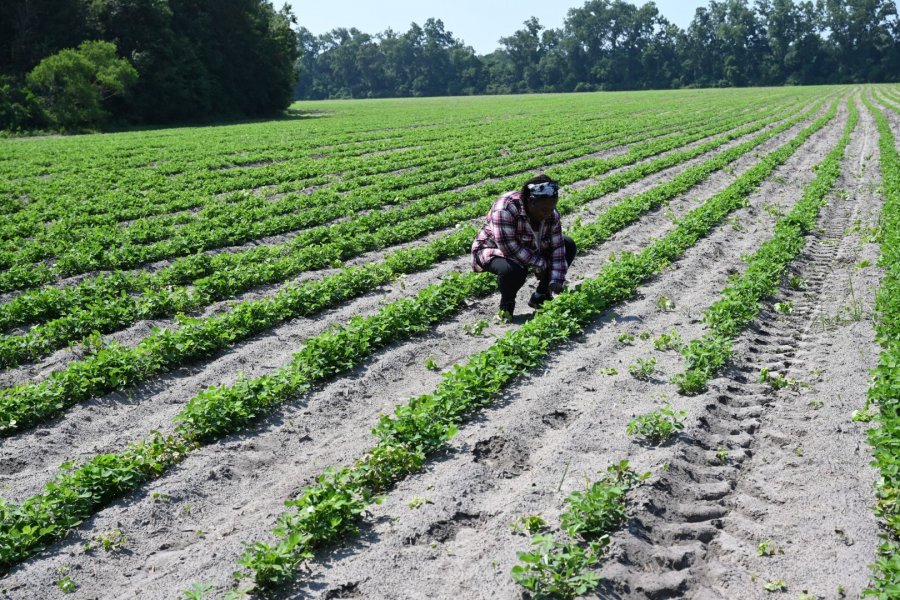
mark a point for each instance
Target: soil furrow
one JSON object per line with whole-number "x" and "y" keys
{"x": 794, "y": 492}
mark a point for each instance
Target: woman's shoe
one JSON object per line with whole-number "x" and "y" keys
{"x": 537, "y": 299}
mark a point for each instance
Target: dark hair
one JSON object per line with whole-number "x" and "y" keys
{"x": 526, "y": 194}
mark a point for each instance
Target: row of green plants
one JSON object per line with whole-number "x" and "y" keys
{"x": 884, "y": 391}
{"x": 440, "y": 161}
{"x": 74, "y": 495}
{"x": 246, "y": 223}
{"x": 565, "y": 566}
{"x": 51, "y": 302}
{"x": 194, "y": 171}
{"x": 190, "y": 154}
{"x": 113, "y": 309}
{"x": 115, "y": 367}
{"x": 740, "y": 301}
{"x": 333, "y": 505}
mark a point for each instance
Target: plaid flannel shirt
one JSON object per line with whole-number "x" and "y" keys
{"x": 508, "y": 233}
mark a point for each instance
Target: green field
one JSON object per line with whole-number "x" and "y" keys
{"x": 292, "y": 300}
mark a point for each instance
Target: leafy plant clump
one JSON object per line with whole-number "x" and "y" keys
{"x": 665, "y": 304}
{"x": 658, "y": 425}
{"x": 557, "y": 568}
{"x": 643, "y": 368}
{"x": 668, "y": 341}
{"x": 778, "y": 381}
{"x": 626, "y": 338}
{"x": 529, "y": 524}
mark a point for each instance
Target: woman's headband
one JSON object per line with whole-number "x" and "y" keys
{"x": 543, "y": 190}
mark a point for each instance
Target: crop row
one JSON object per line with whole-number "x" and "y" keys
{"x": 884, "y": 392}
{"x": 50, "y": 302}
{"x": 116, "y": 367}
{"x": 332, "y": 507}
{"x": 251, "y": 219}
{"x": 118, "y": 310}
{"x": 74, "y": 495}
{"x": 740, "y": 301}
{"x": 196, "y": 180}
{"x": 457, "y": 151}
{"x": 100, "y": 304}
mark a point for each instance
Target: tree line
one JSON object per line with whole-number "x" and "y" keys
{"x": 70, "y": 64}
{"x": 615, "y": 45}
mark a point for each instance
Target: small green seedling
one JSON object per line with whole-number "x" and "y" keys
{"x": 609, "y": 371}
{"x": 198, "y": 591}
{"x": 784, "y": 308}
{"x": 645, "y": 335}
{"x": 861, "y": 416}
{"x": 668, "y": 341}
{"x": 65, "y": 583}
{"x": 658, "y": 425}
{"x": 431, "y": 364}
{"x": 864, "y": 263}
{"x": 664, "y": 303}
{"x": 642, "y": 368}
{"x": 796, "y": 283}
{"x": 475, "y": 329}
{"x": 775, "y": 586}
{"x": 626, "y": 338}
{"x": 529, "y": 524}
{"x": 778, "y": 381}
{"x": 111, "y": 540}
{"x": 816, "y": 404}
{"x": 418, "y": 502}
{"x": 722, "y": 456}
{"x": 774, "y": 210}
{"x": 768, "y": 548}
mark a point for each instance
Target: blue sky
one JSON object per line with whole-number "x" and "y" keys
{"x": 480, "y": 23}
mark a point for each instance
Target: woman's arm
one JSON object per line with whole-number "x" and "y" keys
{"x": 558, "y": 264}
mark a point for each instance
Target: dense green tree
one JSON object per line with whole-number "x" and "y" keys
{"x": 196, "y": 59}
{"x": 72, "y": 86}
{"x": 201, "y": 59}
{"x": 861, "y": 40}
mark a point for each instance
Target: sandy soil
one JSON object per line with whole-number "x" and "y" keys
{"x": 797, "y": 472}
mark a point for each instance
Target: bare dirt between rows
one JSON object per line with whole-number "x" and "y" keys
{"x": 188, "y": 526}
{"x": 797, "y": 478}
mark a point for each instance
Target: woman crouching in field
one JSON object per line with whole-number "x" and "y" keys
{"x": 523, "y": 232}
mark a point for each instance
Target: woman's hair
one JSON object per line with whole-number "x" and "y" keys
{"x": 526, "y": 191}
